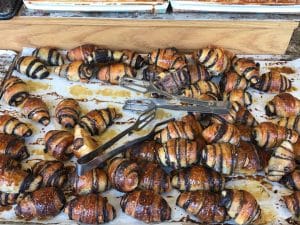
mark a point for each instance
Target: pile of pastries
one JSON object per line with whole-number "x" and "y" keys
{"x": 195, "y": 154}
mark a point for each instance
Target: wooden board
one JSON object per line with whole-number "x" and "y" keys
{"x": 247, "y": 37}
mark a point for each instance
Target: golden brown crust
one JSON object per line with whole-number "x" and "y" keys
{"x": 221, "y": 157}
{"x": 167, "y": 58}
{"x": 293, "y": 203}
{"x": 283, "y": 105}
{"x": 49, "y": 56}
{"x": 12, "y": 125}
{"x": 143, "y": 151}
{"x": 90, "y": 209}
{"x": 221, "y": 133}
{"x": 198, "y": 72}
{"x": 241, "y": 206}
{"x": 198, "y": 178}
{"x": 13, "y": 147}
{"x": 58, "y": 144}
{"x": 281, "y": 162}
{"x": 53, "y": 172}
{"x": 18, "y": 181}
{"x": 15, "y": 91}
{"x": 245, "y": 132}
{"x": 75, "y": 71}
{"x": 273, "y": 82}
{"x": 112, "y": 73}
{"x": 153, "y": 177}
{"x": 43, "y": 203}
{"x": 7, "y": 163}
{"x": 292, "y": 180}
{"x": 269, "y": 135}
{"x": 215, "y": 60}
{"x": 146, "y": 206}
{"x": 246, "y": 68}
{"x": 200, "y": 88}
{"x": 204, "y": 205}
{"x": 36, "y": 109}
{"x": 230, "y": 81}
{"x": 32, "y": 67}
{"x": 67, "y": 112}
{"x": 123, "y": 174}
{"x": 93, "y": 181}
{"x": 81, "y": 53}
{"x": 96, "y": 121}
{"x": 240, "y": 96}
{"x": 244, "y": 116}
{"x": 176, "y": 129}
{"x": 179, "y": 153}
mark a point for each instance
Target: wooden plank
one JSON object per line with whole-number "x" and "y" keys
{"x": 247, "y": 37}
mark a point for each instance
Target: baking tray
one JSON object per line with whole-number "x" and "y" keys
{"x": 212, "y": 6}
{"x": 154, "y": 6}
{"x": 9, "y": 8}
{"x": 99, "y": 95}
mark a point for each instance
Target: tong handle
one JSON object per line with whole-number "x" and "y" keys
{"x": 134, "y": 84}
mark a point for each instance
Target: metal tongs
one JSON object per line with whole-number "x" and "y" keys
{"x": 194, "y": 105}
{"x": 95, "y": 158}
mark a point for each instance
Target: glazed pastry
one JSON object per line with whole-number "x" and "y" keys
{"x": 7, "y": 163}
{"x": 224, "y": 118}
{"x": 90, "y": 209}
{"x": 127, "y": 57}
{"x": 198, "y": 72}
{"x": 58, "y": 144}
{"x": 221, "y": 133}
{"x": 153, "y": 177}
{"x": 269, "y": 135}
{"x": 146, "y": 206}
{"x": 247, "y": 161}
{"x": 296, "y": 147}
{"x": 13, "y": 147}
{"x": 292, "y": 180}
{"x": 198, "y": 178}
{"x": 54, "y": 173}
{"x": 97, "y": 120}
{"x": 291, "y": 122}
{"x": 200, "y": 88}
{"x": 67, "y": 112}
{"x": 15, "y": 91}
{"x": 36, "y": 109}
{"x": 175, "y": 129}
{"x": 247, "y": 68}
{"x": 83, "y": 143}
{"x": 8, "y": 199}
{"x": 172, "y": 81}
{"x": 221, "y": 157}
{"x": 293, "y": 203}
{"x": 81, "y": 53}
{"x": 245, "y": 132}
{"x": 93, "y": 181}
{"x": 143, "y": 151}
{"x": 215, "y": 60}
{"x": 273, "y": 82}
{"x": 151, "y": 71}
{"x": 244, "y": 116}
{"x": 13, "y": 126}
{"x": 204, "y": 205}
{"x": 178, "y": 153}
{"x": 42, "y": 204}
{"x": 32, "y": 67}
{"x": 75, "y": 71}
{"x": 240, "y": 96}
{"x": 18, "y": 181}
{"x": 230, "y": 81}
{"x": 283, "y": 105}
{"x": 195, "y": 124}
{"x": 241, "y": 206}
{"x": 123, "y": 174}
{"x": 167, "y": 59}
{"x": 49, "y": 56}
{"x": 281, "y": 162}
{"x": 113, "y": 72}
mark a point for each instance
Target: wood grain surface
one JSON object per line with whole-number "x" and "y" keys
{"x": 248, "y": 37}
